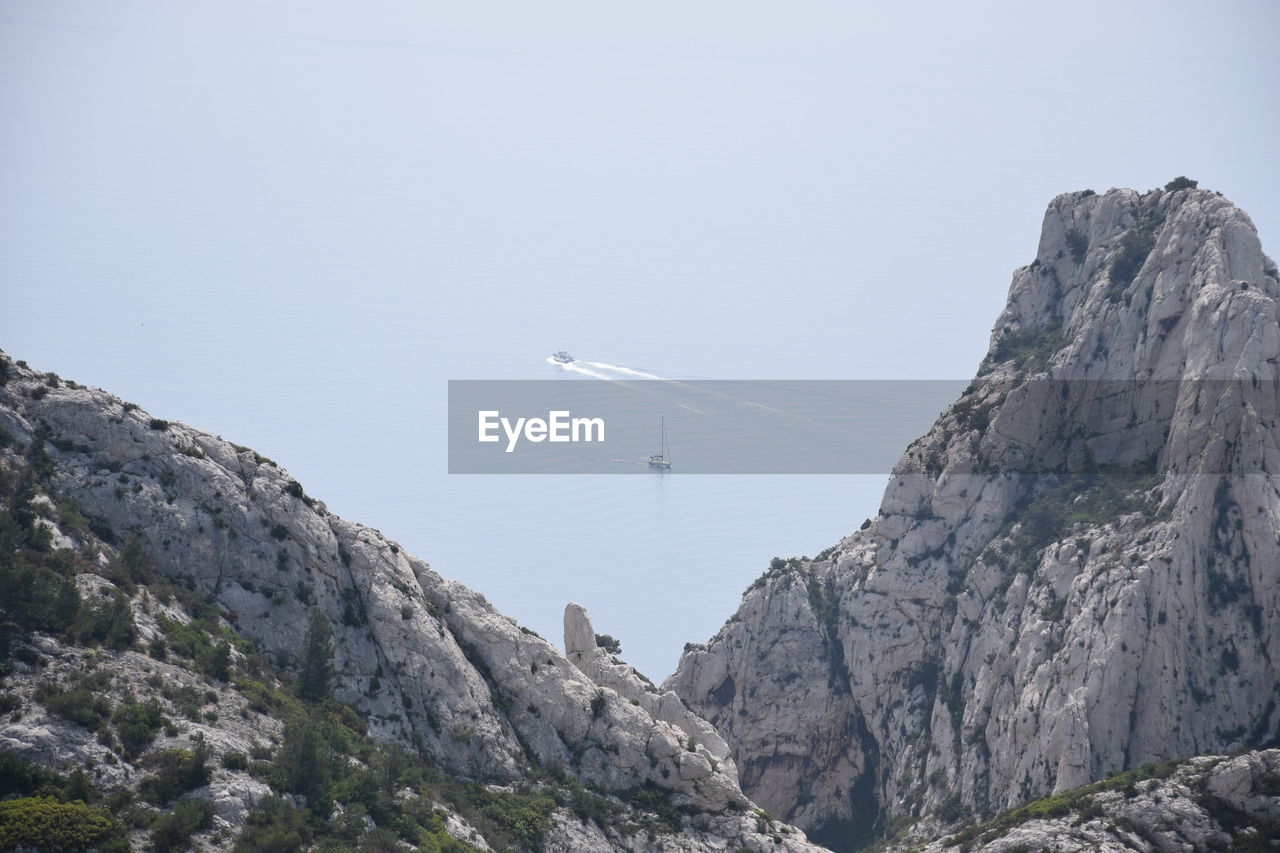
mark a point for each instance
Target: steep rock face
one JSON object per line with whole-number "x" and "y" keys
{"x": 1072, "y": 573}
{"x": 430, "y": 664}
{"x": 791, "y": 732}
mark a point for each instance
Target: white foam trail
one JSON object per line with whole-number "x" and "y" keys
{"x": 692, "y": 409}
{"x": 605, "y": 366}
{"x": 576, "y": 368}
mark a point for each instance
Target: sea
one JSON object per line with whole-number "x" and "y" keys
{"x": 294, "y": 225}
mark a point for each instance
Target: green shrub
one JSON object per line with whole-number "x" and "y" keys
{"x": 107, "y": 621}
{"x": 649, "y": 797}
{"x": 1030, "y": 348}
{"x": 1062, "y": 804}
{"x": 218, "y": 663}
{"x": 72, "y": 520}
{"x": 173, "y": 830}
{"x": 274, "y": 827}
{"x": 1182, "y": 182}
{"x": 43, "y": 824}
{"x": 201, "y": 641}
{"x": 1135, "y": 245}
{"x": 137, "y": 724}
{"x": 130, "y": 566}
{"x": 80, "y": 706}
{"x": 515, "y": 818}
{"x": 177, "y": 772}
{"x": 38, "y": 457}
{"x": 185, "y": 698}
{"x": 1092, "y": 499}
{"x": 1053, "y": 611}
{"x": 235, "y": 761}
{"x": 40, "y": 594}
{"x": 24, "y": 778}
{"x": 588, "y": 806}
{"x": 262, "y": 698}
{"x": 158, "y": 424}
{"x": 1077, "y": 244}
{"x": 609, "y": 644}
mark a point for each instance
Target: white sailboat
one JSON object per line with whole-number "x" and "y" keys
{"x": 661, "y": 461}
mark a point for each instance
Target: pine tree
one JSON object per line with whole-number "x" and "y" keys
{"x": 219, "y": 664}
{"x": 303, "y": 761}
{"x": 130, "y": 567}
{"x": 121, "y": 630}
{"x": 314, "y": 681}
{"x": 65, "y": 609}
{"x": 38, "y": 457}
{"x": 20, "y": 507}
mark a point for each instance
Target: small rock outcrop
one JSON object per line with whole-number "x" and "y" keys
{"x": 707, "y": 749}
{"x": 1206, "y": 804}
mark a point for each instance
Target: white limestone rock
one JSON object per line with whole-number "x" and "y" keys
{"x": 607, "y": 671}
{"x": 997, "y": 640}
{"x": 430, "y": 664}
{"x": 1208, "y": 804}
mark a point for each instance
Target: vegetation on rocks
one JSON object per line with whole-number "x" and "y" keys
{"x": 1029, "y": 348}
{"x": 334, "y": 787}
{"x": 1077, "y": 800}
{"x": 1091, "y": 499}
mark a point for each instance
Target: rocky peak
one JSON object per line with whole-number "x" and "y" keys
{"x": 1123, "y": 284}
{"x": 1067, "y": 575}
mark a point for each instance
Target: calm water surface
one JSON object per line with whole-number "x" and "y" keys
{"x": 293, "y": 228}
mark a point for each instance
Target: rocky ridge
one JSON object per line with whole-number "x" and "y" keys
{"x": 427, "y": 664}
{"x": 1207, "y": 803}
{"x": 1070, "y": 575}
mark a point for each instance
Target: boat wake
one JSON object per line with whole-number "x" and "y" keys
{"x": 618, "y": 369}
{"x": 577, "y": 367}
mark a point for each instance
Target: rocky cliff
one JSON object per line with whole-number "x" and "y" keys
{"x": 1073, "y": 573}
{"x": 1211, "y": 802}
{"x": 184, "y": 541}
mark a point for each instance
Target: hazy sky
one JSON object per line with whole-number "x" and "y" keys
{"x": 290, "y": 223}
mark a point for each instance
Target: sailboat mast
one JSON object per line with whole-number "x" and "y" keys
{"x": 661, "y": 460}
